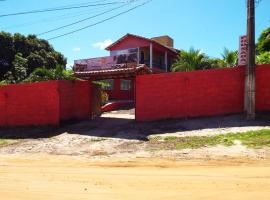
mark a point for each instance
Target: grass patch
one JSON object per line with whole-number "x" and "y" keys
{"x": 251, "y": 139}
{"x": 3, "y": 142}
{"x": 98, "y": 139}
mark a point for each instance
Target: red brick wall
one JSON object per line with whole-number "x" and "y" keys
{"x": 29, "y": 104}
{"x": 83, "y": 99}
{"x": 44, "y": 103}
{"x": 199, "y": 93}
{"x": 263, "y": 88}
{"x": 3, "y": 95}
{"x": 74, "y": 99}
{"x": 191, "y": 94}
{"x": 66, "y": 97}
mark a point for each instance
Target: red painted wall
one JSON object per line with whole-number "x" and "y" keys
{"x": 134, "y": 42}
{"x": 118, "y": 94}
{"x": 199, "y": 93}
{"x": 75, "y": 101}
{"x": 190, "y": 94}
{"x": 263, "y": 88}
{"x": 44, "y": 103}
{"x": 29, "y": 104}
{"x": 130, "y": 42}
{"x": 2, "y": 107}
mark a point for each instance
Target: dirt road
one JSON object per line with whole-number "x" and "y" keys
{"x": 59, "y": 177}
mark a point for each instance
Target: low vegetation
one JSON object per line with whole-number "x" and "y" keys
{"x": 3, "y": 142}
{"x": 251, "y": 139}
{"x": 43, "y": 74}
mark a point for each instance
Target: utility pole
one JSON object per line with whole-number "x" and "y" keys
{"x": 250, "y": 74}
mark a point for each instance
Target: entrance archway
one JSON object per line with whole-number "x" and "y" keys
{"x": 122, "y": 78}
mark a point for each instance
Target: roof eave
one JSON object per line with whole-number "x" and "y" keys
{"x": 143, "y": 38}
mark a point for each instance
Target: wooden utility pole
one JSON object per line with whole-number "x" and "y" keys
{"x": 251, "y": 66}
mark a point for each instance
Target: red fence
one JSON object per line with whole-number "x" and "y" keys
{"x": 199, "y": 93}
{"x": 44, "y": 103}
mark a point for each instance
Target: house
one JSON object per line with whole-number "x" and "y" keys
{"x": 130, "y": 56}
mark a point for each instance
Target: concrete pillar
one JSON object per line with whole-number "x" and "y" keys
{"x": 138, "y": 56}
{"x": 166, "y": 61}
{"x": 151, "y": 56}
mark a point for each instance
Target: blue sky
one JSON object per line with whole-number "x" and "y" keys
{"x": 204, "y": 24}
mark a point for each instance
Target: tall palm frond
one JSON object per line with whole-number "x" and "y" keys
{"x": 190, "y": 60}
{"x": 230, "y": 57}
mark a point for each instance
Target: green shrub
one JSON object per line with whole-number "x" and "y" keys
{"x": 104, "y": 97}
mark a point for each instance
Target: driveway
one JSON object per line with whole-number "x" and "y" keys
{"x": 116, "y": 134}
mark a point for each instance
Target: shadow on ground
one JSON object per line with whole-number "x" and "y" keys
{"x": 115, "y": 126}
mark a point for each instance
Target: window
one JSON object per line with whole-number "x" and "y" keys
{"x": 108, "y": 84}
{"x": 125, "y": 84}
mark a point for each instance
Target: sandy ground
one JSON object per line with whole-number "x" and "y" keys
{"x": 117, "y": 135}
{"x": 109, "y": 158}
{"x": 59, "y": 177}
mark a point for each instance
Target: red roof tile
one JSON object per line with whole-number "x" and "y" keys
{"x": 117, "y": 72}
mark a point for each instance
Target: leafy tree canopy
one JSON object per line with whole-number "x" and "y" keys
{"x": 263, "y": 58}
{"x": 20, "y": 55}
{"x": 263, "y": 44}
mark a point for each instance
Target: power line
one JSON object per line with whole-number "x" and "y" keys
{"x": 82, "y": 20}
{"x": 57, "y": 18}
{"x": 79, "y": 4}
{"x": 60, "y": 9}
{"x": 102, "y": 21}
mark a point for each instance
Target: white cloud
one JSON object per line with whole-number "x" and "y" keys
{"x": 76, "y": 49}
{"x": 102, "y": 45}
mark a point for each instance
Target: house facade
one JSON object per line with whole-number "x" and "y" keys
{"x": 130, "y": 56}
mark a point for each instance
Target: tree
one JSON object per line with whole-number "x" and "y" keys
{"x": 230, "y": 58}
{"x": 34, "y": 61}
{"x": 263, "y": 58}
{"x": 6, "y": 53}
{"x": 216, "y": 63}
{"x": 263, "y": 44}
{"x": 19, "y": 73}
{"x": 50, "y": 62}
{"x": 37, "y": 52}
{"x": 20, "y": 68}
{"x": 191, "y": 60}
{"x": 20, "y": 44}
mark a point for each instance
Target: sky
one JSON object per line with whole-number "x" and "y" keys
{"x": 207, "y": 25}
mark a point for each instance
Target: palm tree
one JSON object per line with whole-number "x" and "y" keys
{"x": 190, "y": 60}
{"x": 230, "y": 57}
